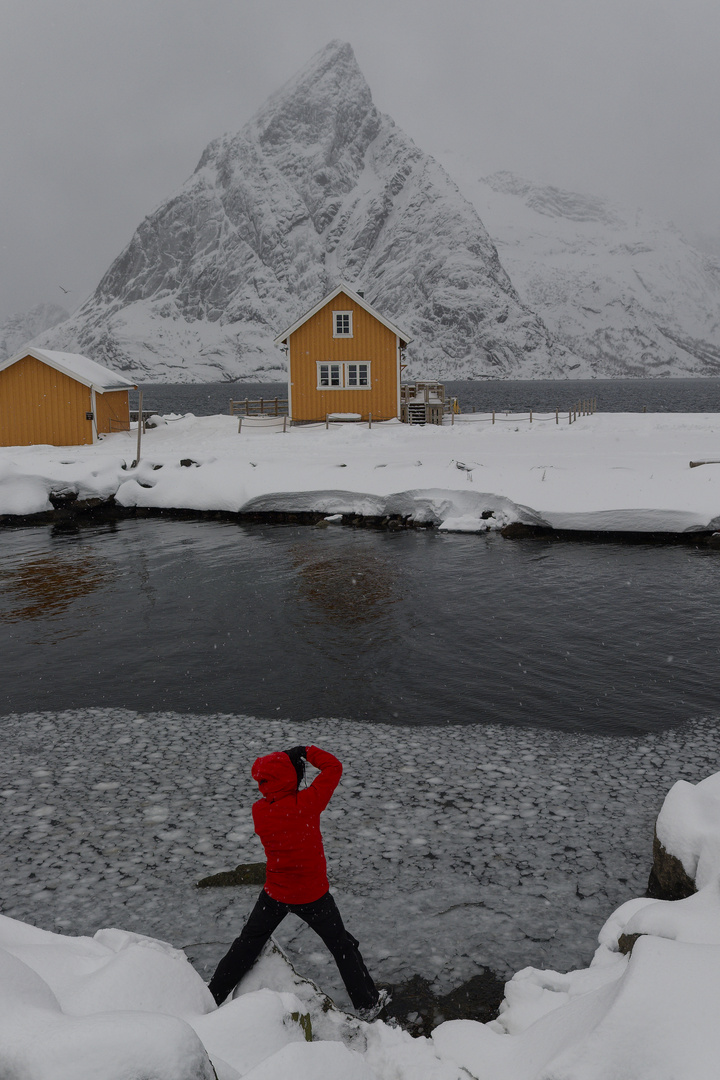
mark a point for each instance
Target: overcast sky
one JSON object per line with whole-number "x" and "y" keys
{"x": 108, "y": 104}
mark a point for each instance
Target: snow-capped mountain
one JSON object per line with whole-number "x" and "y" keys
{"x": 627, "y": 294}
{"x": 319, "y": 187}
{"x": 18, "y": 330}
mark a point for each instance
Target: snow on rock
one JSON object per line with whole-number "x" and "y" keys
{"x": 656, "y": 1018}
{"x": 688, "y": 827}
{"x": 43, "y": 1036}
{"x": 609, "y": 472}
{"x": 251, "y": 1028}
{"x": 312, "y": 1061}
{"x": 627, "y": 295}
{"x": 318, "y": 187}
{"x": 113, "y": 970}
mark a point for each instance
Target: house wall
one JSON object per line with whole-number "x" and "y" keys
{"x": 313, "y": 342}
{"x": 113, "y": 406}
{"x": 41, "y": 405}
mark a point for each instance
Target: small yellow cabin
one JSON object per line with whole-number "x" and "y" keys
{"x": 60, "y": 399}
{"x": 344, "y": 358}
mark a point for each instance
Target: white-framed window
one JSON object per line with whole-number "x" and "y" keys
{"x": 350, "y": 375}
{"x": 357, "y": 375}
{"x": 342, "y": 324}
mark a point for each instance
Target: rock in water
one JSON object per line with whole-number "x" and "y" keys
{"x": 244, "y": 874}
{"x": 319, "y": 187}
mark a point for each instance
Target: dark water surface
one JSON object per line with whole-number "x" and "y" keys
{"x": 613, "y": 395}
{"x": 413, "y": 627}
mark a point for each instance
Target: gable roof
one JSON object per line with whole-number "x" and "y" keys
{"x": 356, "y": 299}
{"x": 80, "y": 368}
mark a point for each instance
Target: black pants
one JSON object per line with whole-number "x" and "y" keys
{"x": 324, "y": 918}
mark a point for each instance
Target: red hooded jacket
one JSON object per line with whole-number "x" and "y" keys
{"x": 288, "y": 823}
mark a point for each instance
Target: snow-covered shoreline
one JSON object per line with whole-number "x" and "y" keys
{"x": 613, "y": 472}
{"x": 118, "y": 1004}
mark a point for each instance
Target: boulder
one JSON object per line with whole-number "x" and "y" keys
{"x": 668, "y": 878}
{"x": 244, "y": 874}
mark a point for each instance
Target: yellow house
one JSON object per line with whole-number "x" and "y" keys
{"x": 344, "y": 357}
{"x": 59, "y": 398}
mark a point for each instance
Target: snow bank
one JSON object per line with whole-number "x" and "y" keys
{"x": 688, "y": 827}
{"x": 607, "y": 472}
{"x": 119, "y": 1005}
{"x": 54, "y": 1026}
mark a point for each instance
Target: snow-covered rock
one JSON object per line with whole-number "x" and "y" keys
{"x": 627, "y": 294}
{"x": 688, "y": 827}
{"x": 18, "y": 330}
{"x": 319, "y": 186}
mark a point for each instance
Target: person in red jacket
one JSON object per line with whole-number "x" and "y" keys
{"x": 287, "y": 820}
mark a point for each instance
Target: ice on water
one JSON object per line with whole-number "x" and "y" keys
{"x": 449, "y": 848}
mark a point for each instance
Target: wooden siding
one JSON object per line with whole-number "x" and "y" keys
{"x": 313, "y": 343}
{"x": 113, "y": 406}
{"x": 41, "y": 405}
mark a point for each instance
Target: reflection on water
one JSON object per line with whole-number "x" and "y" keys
{"x": 45, "y": 587}
{"x": 413, "y": 627}
{"x": 344, "y": 592}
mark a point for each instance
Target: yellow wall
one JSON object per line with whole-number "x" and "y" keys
{"x": 371, "y": 341}
{"x": 113, "y": 406}
{"x": 41, "y": 405}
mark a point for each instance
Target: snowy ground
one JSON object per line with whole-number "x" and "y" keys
{"x": 612, "y": 471}
{"x": 116, "y": 1006}
{"x": 450, "y": 848}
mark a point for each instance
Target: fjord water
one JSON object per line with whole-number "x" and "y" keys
{"x": 411, "y": 628}
{"x": 481, "y": 395}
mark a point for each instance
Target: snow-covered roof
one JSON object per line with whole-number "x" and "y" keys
{"x": 78, "y": 367}
{"x": 356, "y": 299}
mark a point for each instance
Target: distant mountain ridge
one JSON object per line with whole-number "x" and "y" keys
{"x": 319, "y": 187}
{"x": 627, "y": 294}
{"x": 19, "y": 329}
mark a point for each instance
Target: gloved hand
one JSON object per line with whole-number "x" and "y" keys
{"x": 296, "y": 755}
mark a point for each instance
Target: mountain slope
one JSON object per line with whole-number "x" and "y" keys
{"x": 627, "y": 294}
{"x": 18, "y": 330}
{"x": 319, "y": 187}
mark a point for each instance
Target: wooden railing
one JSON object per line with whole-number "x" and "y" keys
{"x": 586, "y": 407}
{"x": 259, "y": 407}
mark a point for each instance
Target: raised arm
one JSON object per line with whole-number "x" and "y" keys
{"x": 322, "y": 787}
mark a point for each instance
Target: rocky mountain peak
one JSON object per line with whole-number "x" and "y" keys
{"x": 318, "y": 187}
{"x": 553, "y": 201}
{"x": 626, "y": 293}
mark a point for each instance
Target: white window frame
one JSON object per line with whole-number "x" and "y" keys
{"x": 357, "y": 385}
{"x": 344, "y": 374}
{"x": 342, "y": 334}
{"x": 329, "y": 385}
